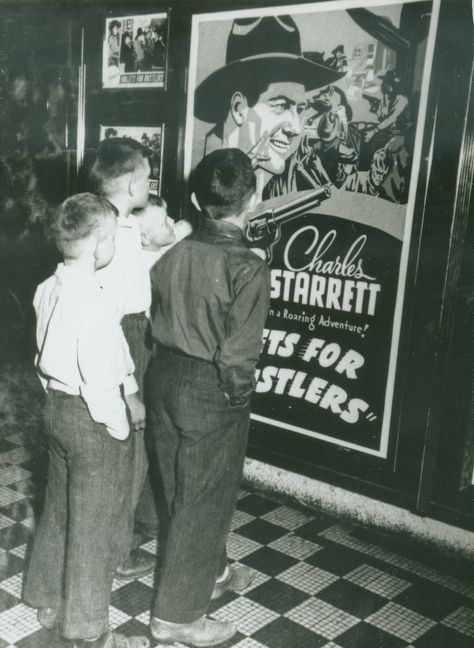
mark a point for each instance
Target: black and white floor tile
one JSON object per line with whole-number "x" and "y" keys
{"x": 321, "y": 583}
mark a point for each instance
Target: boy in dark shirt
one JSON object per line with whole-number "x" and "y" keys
{"x": 211, "y": 298}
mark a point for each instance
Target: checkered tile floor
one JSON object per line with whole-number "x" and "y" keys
{"x": 320, "y": 582}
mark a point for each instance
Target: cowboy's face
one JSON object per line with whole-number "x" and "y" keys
{"x": 377, "y": 175}
{"x": 269, "y": 127}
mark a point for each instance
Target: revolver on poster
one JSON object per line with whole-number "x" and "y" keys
{"x": 264, "y": 230}
{"x": 374, "y": 102}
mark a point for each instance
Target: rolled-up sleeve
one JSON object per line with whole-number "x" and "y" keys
{"x": 238, "y": 354}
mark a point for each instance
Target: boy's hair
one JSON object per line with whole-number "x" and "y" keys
{"x": 153, "y": 199}
{"x": 223, "y": 181}
{"x": 77, "y": 218}
{"x": 116, "y": 156}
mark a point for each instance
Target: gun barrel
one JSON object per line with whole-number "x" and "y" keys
{"x": 300, "y": 204}
{"x": 258, "y": 226}
{"x": 370, "y": 99}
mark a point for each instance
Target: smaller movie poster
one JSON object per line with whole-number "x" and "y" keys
{"x": 134, "y": 51}
{"x": 149, "y": 136}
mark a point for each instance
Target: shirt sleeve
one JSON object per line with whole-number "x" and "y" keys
{"x": 100, "y": 358}
{"x": 130, "y": 385}
{"x": 238, "y": 354}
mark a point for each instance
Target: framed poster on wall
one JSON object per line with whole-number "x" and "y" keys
{"x": 329, "y": 101}
{"x": 149, "y": 136}
{"x": 135, "y": 51}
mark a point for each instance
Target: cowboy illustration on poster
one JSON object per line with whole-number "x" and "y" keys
{"x": 325, "y": 100}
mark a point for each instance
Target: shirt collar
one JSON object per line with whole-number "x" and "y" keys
{"x": 74, "y": 273}
{"x": 222, "y": 228}
{"x": 126, "y": 221}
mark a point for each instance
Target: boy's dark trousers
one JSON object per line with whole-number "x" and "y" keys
{"x": 136, "y": 330}
{"x": 200, "y": 442}
{"x": 79, "y": 539}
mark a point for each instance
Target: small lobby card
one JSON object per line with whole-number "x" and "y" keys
{"x": 135, "y": 51}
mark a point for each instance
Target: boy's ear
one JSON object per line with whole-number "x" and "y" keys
{"x": 145, "y": 239}
{"x": 195, "y": 201}
{"x": 95, "y": 245}
{"x": 131, "y": 184}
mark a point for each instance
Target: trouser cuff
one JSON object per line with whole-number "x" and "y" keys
{"x": 180, "y": 616}
{"x": 86, "y": 629}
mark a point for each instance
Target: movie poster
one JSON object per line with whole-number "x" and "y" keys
{"x": 149, "y": 136}
{"x": 328, "y": 100}
{"x": 135, "y": 51}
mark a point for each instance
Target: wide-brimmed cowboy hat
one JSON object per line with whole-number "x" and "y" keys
{"x": 267, "y": 48}
{"x": 392, "y": 77}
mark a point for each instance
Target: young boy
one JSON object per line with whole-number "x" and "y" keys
{"x": 211, "y": 298}
{"x": 158, "y": 231}
{"x": 121, "y": 173}
{"x": 158, "y": 234}
{"x": 85, "y": 366}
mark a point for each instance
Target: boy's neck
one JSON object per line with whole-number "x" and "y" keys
{"x": 85, "y": 264}
{"x": 240, "y": 220}
{"x": 121, "y": 204}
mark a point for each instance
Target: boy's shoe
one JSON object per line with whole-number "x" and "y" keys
{"x": 48, "y": 618}
{"x": 200, "y": 634}
{"x": 113, "y": 640}
{"x": 238, "y": 579}
{"x": 135, "y": 566}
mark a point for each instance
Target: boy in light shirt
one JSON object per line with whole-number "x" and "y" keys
{"x": 121, "y": 173}
{"x": 85, "y": 366}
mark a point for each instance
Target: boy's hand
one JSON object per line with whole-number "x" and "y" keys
{"x": 137, "y": 411}
{"x": 237, "y": 402}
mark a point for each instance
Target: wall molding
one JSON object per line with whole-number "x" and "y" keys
{"x": 360, "y": 509}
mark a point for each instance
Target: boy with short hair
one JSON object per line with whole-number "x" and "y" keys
{"x": 85, "y": 366}
{"x": 158, "y": 231}
{"x": 211, "y": 297}
{"x": 121, "y": 173}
